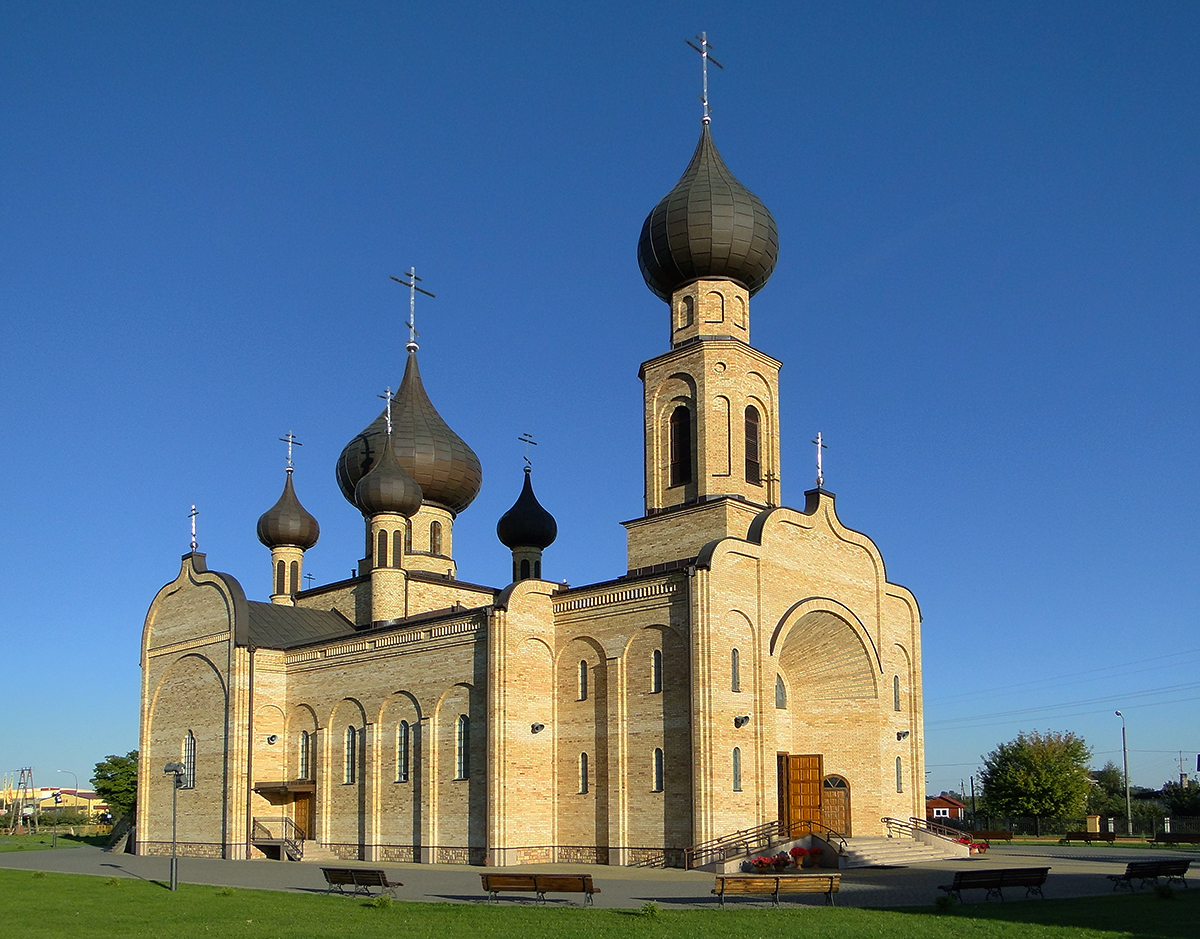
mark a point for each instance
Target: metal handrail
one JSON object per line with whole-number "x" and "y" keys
{"x": 750, "y": 840}
{"x": 914, "y": 823}
{"x": 945, "y": 831}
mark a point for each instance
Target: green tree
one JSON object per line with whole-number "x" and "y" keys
{"x": 116, "y": 782}
{"x": 1043, "y": 775}
{"x": 1181, "y": 800}
{"x": 1107, "y": 794}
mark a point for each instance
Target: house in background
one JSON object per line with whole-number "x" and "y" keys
{"x": 942, "y": 807}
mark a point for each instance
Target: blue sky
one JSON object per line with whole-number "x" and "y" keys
{"x": 986, "y": 300}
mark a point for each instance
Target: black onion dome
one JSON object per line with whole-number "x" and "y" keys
{"x": 446, "y": 469}
{"x": 287, "y": 522}
{"x": 709, "y": 225}
{"x": 387, "y": 487}
{"x": 527, "y": 524}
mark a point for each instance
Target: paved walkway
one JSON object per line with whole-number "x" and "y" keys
{"x": 1075, "y": 872}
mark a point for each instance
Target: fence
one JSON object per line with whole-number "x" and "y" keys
{"x": 1144, "y": 826}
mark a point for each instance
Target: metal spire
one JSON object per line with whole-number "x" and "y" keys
{"x": 820, "y": 470}
{"x": 192, "y": 515}
{"x": 413, "y": 290}
{"x": 290, "y": 439}
{"x": 527, "y": 439}
{"x": 387, "y": 396}
{"x": 705, "y": 58}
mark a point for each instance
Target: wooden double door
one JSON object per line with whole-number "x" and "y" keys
{"x": 806, "y": 794}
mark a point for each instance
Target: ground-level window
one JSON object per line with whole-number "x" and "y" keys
{"x": 189, "y": 761}
{"x": 351, "y": 773}
{"x": 403, "y": 742}
{"x": 302, "y": 751}
{"x": 899, "y": 775}
{"x": 658, "y": 769}
{"x": 780, "y": 692}
{"x": 463, "y": 746}
{"x": 737, "y": 769}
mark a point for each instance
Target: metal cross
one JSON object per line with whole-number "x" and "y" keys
{"x": 290, "y": 439}
{"x": 387, "y": 396}
{"x": 413, "y": 290}
{"x": 527, "y": 439}
{"x": 820, "y": 471}
{"x": 192, "y": 515}
{"x": 310, "y": 578}
{"x": 705, "y": 58}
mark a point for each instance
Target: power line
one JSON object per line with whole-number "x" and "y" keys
{"x": 1106, "y": 699}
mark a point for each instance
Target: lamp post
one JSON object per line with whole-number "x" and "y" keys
{"x": 76, "y": 778}
{"x": 1125, "y": 762}
{"x": 176, "y": 771}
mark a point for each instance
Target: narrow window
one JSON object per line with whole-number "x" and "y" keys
{"x": 402, "y": 739}
{"x": 537, "y": 569}
{"x": 189, "y": 761}
{"x": 583, "y": 678}
{"x": 525, "y": 569}
{"x": 753, "y": 465}
{"x": 381, "y": 550}
{"x": 681, "y": 446}
{"x": 280, "y": 587}
{"x": 737, "y": 769}
{"x": 351, "y": 755}
{"x": 735, "y": 671}
{"x": 435, "y": 538}
{"x": 899, "y": 776}
{"x": 658, "y": 769}
{"x": 302, "y": 746}
{"x": 463, "y": 746}
{"x": 656, "y": 672}
{"x": 408, "y": 536}
{"x": 295, "y": 572}
{"x": 780, "y": 692}
{"x": 896, "y": 692}
{"x": 398, "y": 538}
{"x": 583, "y": 772}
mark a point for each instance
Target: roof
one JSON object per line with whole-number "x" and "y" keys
{"x": 276, "y": 626}
{"x": 945, "y": 800}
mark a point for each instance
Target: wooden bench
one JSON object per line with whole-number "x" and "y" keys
{"x": 1163, "y": 837}
{"x": 1149, "y": 872}
{"x": 775, "y": 886}
{"x": 994, "y": 881}
{"x": 360, "y": 879}
{"x": 989, "y": 836}
{"x": 1087, "y": 837}
{"x": 540, "y": 884}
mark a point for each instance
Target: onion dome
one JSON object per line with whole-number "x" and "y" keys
{"x": 387, "y": 487}
{"x": 287, "y": 522}
{"x": 708, "y": 226}
{"x": 527, "y": 524}
{"x": 437, "y": 459}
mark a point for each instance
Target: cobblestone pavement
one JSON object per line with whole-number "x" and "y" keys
{"x": 1075, "y": 872}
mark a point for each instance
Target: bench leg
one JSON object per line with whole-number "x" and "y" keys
{"x": 994, "y": 891}
{"x": 541, "y": 898}
{"x": 589, "y": 900}
{"x": 1034, "y": 889}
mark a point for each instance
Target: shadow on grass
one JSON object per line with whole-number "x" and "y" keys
{"x": 127, "y": 872}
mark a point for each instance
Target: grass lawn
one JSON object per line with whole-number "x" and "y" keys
{"x": 44, "y": 840}
{"x": 35, "y": 905}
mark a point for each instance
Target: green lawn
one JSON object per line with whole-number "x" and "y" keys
{"x": 34, "y": 905}
{"x": 45, "y": 840}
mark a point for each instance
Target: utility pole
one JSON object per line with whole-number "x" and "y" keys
{"x": 1125, "y": 761}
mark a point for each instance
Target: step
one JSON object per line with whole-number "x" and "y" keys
{"x": 893, "y": 852}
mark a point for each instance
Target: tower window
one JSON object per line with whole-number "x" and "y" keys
{"x": 658, "y": 769}
{"x": 899, "y": 775}
{"x": 463, "y": 746}
{"x": 302, "y": 751}
{"x": 737, "y": 769}
{"x": 583, "y": 679}
{"x": 295, "y": 578}
{"x": 280, "y": 586}
{"x": 403, "y": 738}
{"x": 397, "y": 547}
{"x": 656, "y": 672}
{"x": 408, "y": 536}
{"x": 381, "y": 547}
{"x": 753, "y": 462}
{"x": 537, "y": 569}
{"x": 351, "y": 767}
{"x": 681, "y": 446}
{"x": 525, "y": 569}
{"x": 735, "y": 671}
{"x": 435, "y": 538}
{"x": 189, "y": 761}
{"x": 780, "y": 692}
{"x": 583, "y": 772}
{"x": 896, "y": 692}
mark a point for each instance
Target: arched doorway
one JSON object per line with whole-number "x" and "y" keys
{"x": 835, "y": 804}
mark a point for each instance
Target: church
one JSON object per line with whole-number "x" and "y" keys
{"x": 753, "y": 665}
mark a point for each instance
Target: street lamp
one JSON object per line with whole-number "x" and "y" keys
{"x": 177, "y": 770}
{"x": 1125, "y": 761}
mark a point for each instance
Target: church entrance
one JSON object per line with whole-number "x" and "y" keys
{"x": 303, "y": 813}
{"x": 835, "y": 804}
{"x": 799, "y": 791}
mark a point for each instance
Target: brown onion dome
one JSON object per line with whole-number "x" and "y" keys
{"x": 387, "y": 487}
{"x": 527, "y": 524}
{"x": 708, "y": 226}
{"x": 287, "y": 522}
{"x": 446, "y": 469}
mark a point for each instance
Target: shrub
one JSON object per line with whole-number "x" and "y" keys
{"x": 381, "y": 902}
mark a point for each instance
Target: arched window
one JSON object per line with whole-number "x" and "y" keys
{"x": 302, "y": 751}
{"x": 398, "y": 549}
{"x": 381, "y": 547}
{"x": 351, "y": 773}
{"x": 753, "y": 464}
{"x": 656, "y": 672}
{"x": 899, "y": 775}
{"x": 435, "y": 538}
{"x": 737, "y": 769}
{"x": 681, "y": 446}
{"x": 735, "y": 671}
{"x": 896, "y": 692}
{"x": 295, "y": 578}
{"x": 462, "y": 746}
{"x": 583, "y": 679}
{"x": 780, "y": 692}
{"x": 280, "y": 586}
{"x": 403, "y": 736}
{"x": 537, "y": 569}
{"x": 658, "y": 769}
{"x": 583, "y": 772}
{"x": 524, "y": 568}
{"x": 408, "y": 536}
{"x": 189, "y": 761}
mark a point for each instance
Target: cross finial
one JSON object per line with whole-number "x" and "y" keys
{"x": 527, "y": 439}
{"x": 290, "y": 439}
{"x": 192, "y": 515}
{"x": 387, "y": 396}
{"x": 705, "y": 57}
{"x": 413, "y": 290}
{"x": 820, "y": 469}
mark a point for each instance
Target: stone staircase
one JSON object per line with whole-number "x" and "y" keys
{"x": 880, "y": 851}
{"x": 313, "y": 851}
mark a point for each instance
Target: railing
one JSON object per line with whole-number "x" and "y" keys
{"x": 290, "y": 837}
{"x": 752, "y": 840}
{"x": 895, "y": 827}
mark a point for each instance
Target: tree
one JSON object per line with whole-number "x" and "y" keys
{"x": 1181, "y": 799}
{"x": 1107, "y": 794}
{"x": 116, "y": 782}
{"x": 1043, "y": 775}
